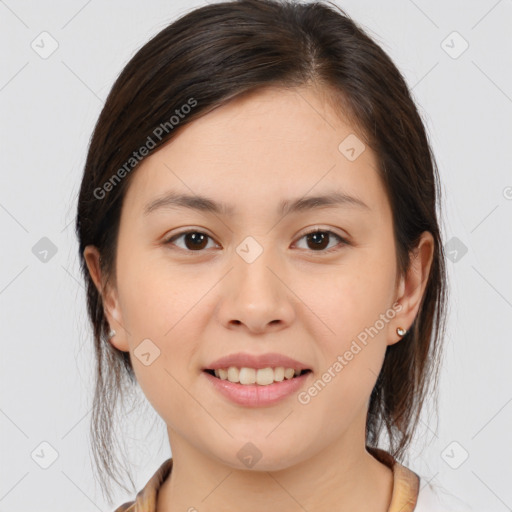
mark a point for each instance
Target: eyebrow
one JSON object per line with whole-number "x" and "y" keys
{"x": 173, "y": 200}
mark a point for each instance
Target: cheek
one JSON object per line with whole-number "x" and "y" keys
{"x": 354, "y": 298}
{"x": 155, "y": 295}
{"x": 154, "y": 302}
{"x": 352, "y": 349}
{"x": 159, "y": 319}
{"x": 355, "y": 310}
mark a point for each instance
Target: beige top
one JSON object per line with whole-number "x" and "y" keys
{"x": 403, "y": 498}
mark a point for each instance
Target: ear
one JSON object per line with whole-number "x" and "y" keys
{"x": 412, "y": 286}
{"x": 109, "y": 298}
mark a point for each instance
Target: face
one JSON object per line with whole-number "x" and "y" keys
{"x": 253, "y": 279}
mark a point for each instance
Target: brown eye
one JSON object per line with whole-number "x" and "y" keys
{"x": 193, "y": 240}
{"x": 318, "y": 240}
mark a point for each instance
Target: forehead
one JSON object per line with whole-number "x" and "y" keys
{"x": 268, "y": 145}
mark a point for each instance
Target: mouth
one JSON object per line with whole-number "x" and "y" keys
{"x": 252, "y": 376}
{"x": 262, "y": 387}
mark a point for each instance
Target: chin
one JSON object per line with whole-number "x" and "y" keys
{"x": 252, "y": 456}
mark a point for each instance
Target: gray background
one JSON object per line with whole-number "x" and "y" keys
{"x": 48, "y": 107}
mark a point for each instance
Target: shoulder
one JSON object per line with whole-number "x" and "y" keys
{"x": 147, "y": 497}
{"x": 129, "y": 506}
{"x": 413, "y": 493}
{"x": 434, "y": 498}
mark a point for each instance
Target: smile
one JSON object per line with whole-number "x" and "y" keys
{"x": 252, "y": 394}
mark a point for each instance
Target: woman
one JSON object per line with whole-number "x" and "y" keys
{"x": 259, "y": 239}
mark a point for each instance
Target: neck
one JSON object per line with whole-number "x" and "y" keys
{"x": 343, "y": 477}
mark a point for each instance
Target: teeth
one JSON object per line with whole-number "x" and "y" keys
{"x": 247, "y": 376}
{"x": 289, "y": 373}
{"x": 261, "y": 376}
{"x": 233, "y": 374}
{"x": 279, "y": 374}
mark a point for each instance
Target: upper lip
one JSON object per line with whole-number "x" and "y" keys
{"x": 241, "y": 359}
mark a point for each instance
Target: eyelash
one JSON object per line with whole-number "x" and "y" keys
{"x": 342, "y": 240}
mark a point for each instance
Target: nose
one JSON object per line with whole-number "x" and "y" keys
{"x": 256, "y": 296}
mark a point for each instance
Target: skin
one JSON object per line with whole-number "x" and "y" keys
{"x": 198, "y": 305}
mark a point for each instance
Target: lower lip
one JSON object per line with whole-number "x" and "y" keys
{"x": 254, "y": 395}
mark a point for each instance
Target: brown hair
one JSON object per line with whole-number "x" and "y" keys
{"x": 220, "y": 51}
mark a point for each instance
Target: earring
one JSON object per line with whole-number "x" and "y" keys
{"x": 111, "y": 334}
{"x": 400, "y": 331}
